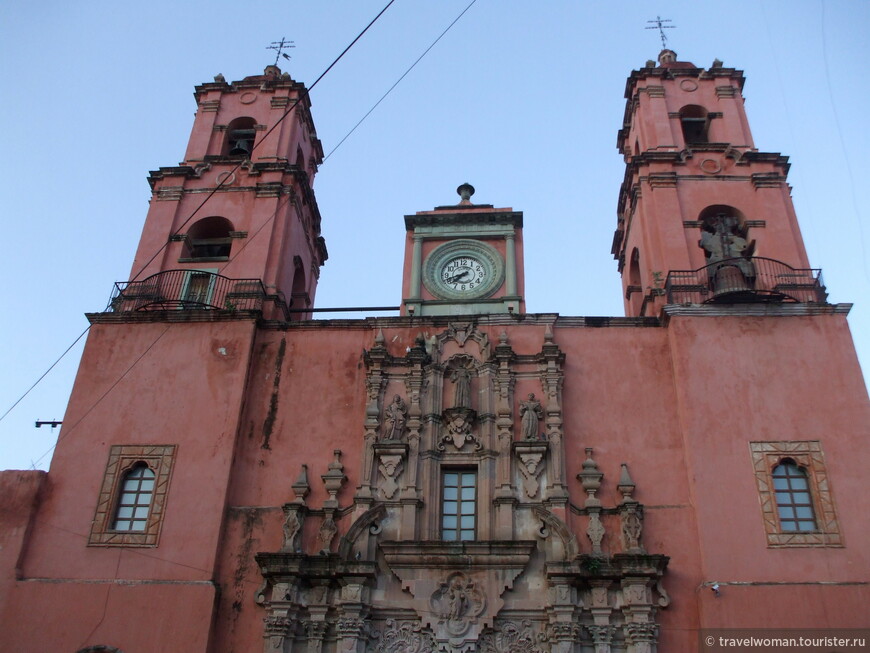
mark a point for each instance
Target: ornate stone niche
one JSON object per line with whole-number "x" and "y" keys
{"x": 457, "y": 587}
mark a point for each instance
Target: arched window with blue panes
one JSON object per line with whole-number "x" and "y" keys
{"x": 134, "y": 499}
{"x": 794, "y": 501}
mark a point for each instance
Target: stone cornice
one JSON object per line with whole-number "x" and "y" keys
{"x": 670, "y": 73}
{"x": 670, "y": 311}
{"x": 443, "y": 321}
{"x": 462, "y": 218}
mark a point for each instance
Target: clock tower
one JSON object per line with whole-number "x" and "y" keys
{"x": 463, "y": 259}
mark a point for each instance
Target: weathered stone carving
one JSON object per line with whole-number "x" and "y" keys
{"x": 390, "y": 467}
{"x": 396, "y": 419}
{"x": 510, "y": 637}
{"x": 630, "y": 513}
{"x": 327, "y": 532}
{"x": 405, "y": 637}
{"x": 459, "y": 331}
{"x": 457, "y": 605}
{"x": 294, "y": 513}
{"x": 277, "y": 628}
{"x": 458, "y": 423}
{"x": 595, "y": 531}
{"x": 641, "y": 635}
{"x": 531, "y": 413}
{"x": 632, "y": 526}
{"x": 458, "y": 602}
{"x": 563, "y": 631}
{"x": 292, "y": 527}
{"x": 461, "y": 379}
{"x": 601, "y": 636}
{"x": 530, "y": 461}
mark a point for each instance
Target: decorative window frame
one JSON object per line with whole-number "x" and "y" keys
{"x": 122, "y": 458}
{"x": 808, "y": 455}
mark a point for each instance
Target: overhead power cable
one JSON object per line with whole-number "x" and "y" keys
{"x": 404, "y": 74}
{"x": 289, "y": 110}
{"x": 210, "y": 194}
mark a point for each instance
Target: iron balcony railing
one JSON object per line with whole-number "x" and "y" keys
{"x": 187, "y": 290}
{"x": 739, "y": 280}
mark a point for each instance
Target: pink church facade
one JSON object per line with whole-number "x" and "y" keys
{"x": 233, "y": 476}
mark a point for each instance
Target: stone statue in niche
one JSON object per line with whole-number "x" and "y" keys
{"x": 461, "y": 388}
{"x": 397, "y": 416}
{"x": 531, "y": 414}
{"x": 722, "y": 241}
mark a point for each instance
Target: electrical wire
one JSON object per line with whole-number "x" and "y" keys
{"x": 289, "y": 110}
{"x": 66, "y": 432}
{"x": 44, "y": 374}
{"x": 852, "y": 185}
{"x": 198, "y": 208}
{"x": 404, "y": 74}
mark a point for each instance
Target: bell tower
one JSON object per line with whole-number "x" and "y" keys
{"x": 240, "y": 206}
{"x": 703, "y": 216}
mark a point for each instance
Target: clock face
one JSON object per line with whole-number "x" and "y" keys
{"x": 463, "y": 269}
{"x": 463, "y": 273}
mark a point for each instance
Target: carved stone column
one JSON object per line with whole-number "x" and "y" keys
{"x": 375, "y": 359}
{"x": 316, "y": 631}
{"x": 602, "y": 636}
{"x": 641, "y": 637}
{"x": 563, "y": 636}
{"x": 352, "y": 629}
{"x": 551, "y": 359}
{"x": 277, "y": 628}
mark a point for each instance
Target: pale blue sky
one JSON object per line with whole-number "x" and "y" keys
{"x": 522, "y": 99}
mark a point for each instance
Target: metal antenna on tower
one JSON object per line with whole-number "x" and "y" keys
{"x": 661, "y": 27}
{"x": 279, "y": 46}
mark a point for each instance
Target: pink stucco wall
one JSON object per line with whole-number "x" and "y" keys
{"x": 678, "y": 404}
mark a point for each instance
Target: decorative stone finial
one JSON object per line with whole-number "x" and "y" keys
{"x": 465, "y": 191}
{"x": 301, "y": 487}
{"x": 590, "y": 477}
{"x": 548, "y": 334}
{"x": 334, "y": 478}
{"x": 625, "y": 485}
{"x": 220, "y": 78}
